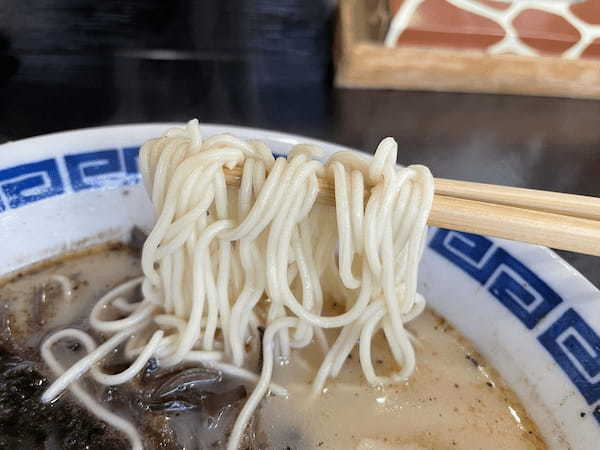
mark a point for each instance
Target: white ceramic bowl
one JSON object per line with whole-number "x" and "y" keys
{"x": 534, "y": 317}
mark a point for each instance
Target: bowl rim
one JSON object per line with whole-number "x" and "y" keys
{"x": 269, "y": 133}
{"x": 575, "y": 289}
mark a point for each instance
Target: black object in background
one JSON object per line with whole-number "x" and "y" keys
{"x": 68, "y": 64}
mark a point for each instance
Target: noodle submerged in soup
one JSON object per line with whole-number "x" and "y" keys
{"x": 454, "y": 399}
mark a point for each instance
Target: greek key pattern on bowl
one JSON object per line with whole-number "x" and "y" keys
{"x": 570, "y": 340}
{"x": 31, "y": 182}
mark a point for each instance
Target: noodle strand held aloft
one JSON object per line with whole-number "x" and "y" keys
{"x": 223, "y": 261}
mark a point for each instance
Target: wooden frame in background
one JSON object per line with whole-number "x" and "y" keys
{"x": 363, "y": 62}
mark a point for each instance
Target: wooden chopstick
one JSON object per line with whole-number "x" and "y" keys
{"x": 555, "y": 202}
{"x": 518, "y": 224}
{"x": 556, "y": 220}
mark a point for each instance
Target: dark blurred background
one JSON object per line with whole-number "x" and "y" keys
{"x": 68, "y": 64}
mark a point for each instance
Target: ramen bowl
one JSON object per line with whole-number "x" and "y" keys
{"x": 531, "y": 315}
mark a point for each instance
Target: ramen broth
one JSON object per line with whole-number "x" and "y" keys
{"x": 453, "y": 400}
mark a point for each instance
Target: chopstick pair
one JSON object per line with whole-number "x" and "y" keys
{"x": 561, "y": 221}
{"x": 553, "y": 219}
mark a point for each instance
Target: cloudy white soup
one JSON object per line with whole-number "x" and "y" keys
{"x": 256, "y": 314}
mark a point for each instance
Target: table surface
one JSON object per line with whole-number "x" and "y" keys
{"x": 68, "y": 64}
